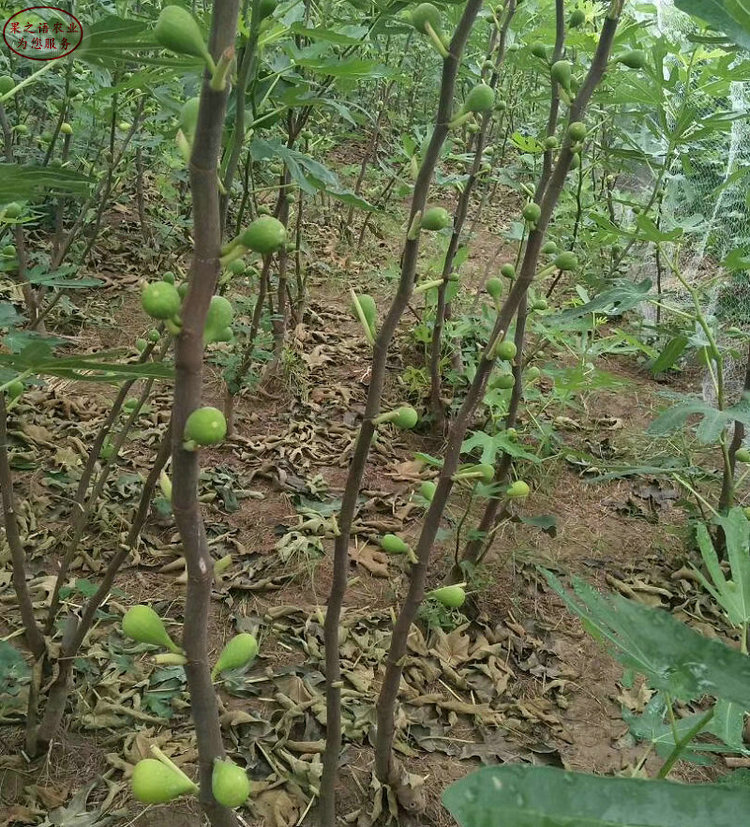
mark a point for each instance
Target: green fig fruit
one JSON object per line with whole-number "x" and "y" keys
{"x": 142, "y": 624}
{"x": 177, "y": 30}
{"x": 531, "y": 213}
{"x": 156, "y": 783}
{"x": 494, "y": 287}
{"x": 435, "y": 218}
{"x": 206, "y": 426}
{"x": 450, "y": 596}
{"x": 239, "y": 651}
{"x": 393, "y": 544}
{"x": 506, "y": 351}
{"x": 517, "y": 490}
{"x": 229, "y": 783}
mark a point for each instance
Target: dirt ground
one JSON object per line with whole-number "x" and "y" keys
{"x": 519, "y": 681}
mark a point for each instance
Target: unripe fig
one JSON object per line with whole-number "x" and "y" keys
{"x": 561, "y": 71}
{"x": 450, "y": 596}
{"x": 406, "y": 418}
{"x": 369, "y": 311}
{"x": 124, "y": 126}
{"x": 551, "y": 142}
{"x": 508, "y": 270}
{"x": 177, "y": 30}
{"x": 539, "y": 50}
{"x": 142, "y": 624}
{"x": 504, "y": 382}
{"x": 266, "y": 8}
{"x": 539, "y": 304}
{"x": 566, "y": 261}
{"x": 239, "y": 651}
{"x": 532, "y": 373}
{"x": 549, "y": 249}
{"x": 742, "y": 455}
{"x": 634, "y": 59}
{"x": 435, "y": 218}
{"x": 206, "y": 426}
{"x": 237, "y": 267}
{"x": 393, "y": 544}
{"x": 161, "y": 300}
{"x": 15, "y": 389}
{"x": 169, "y": 277}
{"x": 517, "y": 490}
{"x": 427, "y": 490}
{"x": 9, "y": 251}
{"x": 66, "y": 128}
{"x": 265, "y": 235}
{"x": 12, "y": 210}
{"x": 494, "y": 287}
{"x": 189, "y": 116}
{"x": 426, "y": 13}
{"x": 6, "y": 84}
{"x": 531, "y": 213}
{"x": 219, "y": 317}
{"x": 156, "y": 783}
{"x": 577, "y": 18}
{"x": 229, "y": 783}
{"x": 506, "y": 351}
{"x": 480, "y": 99}
{"x": 577, "y": 131}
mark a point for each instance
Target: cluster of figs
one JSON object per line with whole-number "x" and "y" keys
{"x": 158, "y": 780}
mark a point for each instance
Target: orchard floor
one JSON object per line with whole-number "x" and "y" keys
{"x": 520, "y": 681}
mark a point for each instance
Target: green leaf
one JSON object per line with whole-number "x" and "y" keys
{"x": 612, "y": 302}
{"x": 87, "y": 369}
{"x": 309, "y": 174}
{"x": 524, "y": 796}
{"x": 59, "y": 278}
{"x": 9, "y": 317}
{"x": 712, "y": 420}
{"x": 673, "y": 658}
{"x": 670, "y": 354}
{"x": 732, "y": 595}
{"x": 727, "y": 723}
{"x": 731, "y": 17}
{"x": 19, "y": 183}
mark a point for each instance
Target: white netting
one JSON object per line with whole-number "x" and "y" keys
{"x": 705, "y": 194}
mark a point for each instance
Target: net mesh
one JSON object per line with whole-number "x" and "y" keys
{"x": 704, "y": 193}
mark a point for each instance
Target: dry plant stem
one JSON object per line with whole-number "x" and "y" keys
{"x": 327, "y": 811}
{"x": 81, "y": 512}
{"x": 204, "y": 273}
{"x": 247, "y": 357}
{"x": 442, "y": 310}
{"x": 32, "y": 632}
{"x": 75, "y": 631}
{"x": 554, "y": 108}
{"x": 29, "y": 294}
{"x": 727, "y": 483}
{"x": 140, "y": 195}
{"x": 476, "y": 548}
{"x": 247, "y": 63}
{"x": 395, "y": 659}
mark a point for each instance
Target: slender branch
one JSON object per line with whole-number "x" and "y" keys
{"x": 327, "y": 813}
{"x": 75, "y": 631}
{"x": 395, "y": 659}
{"x": 204, "y": 273}
{"x": 32, "y": 631}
